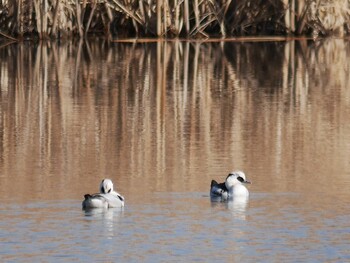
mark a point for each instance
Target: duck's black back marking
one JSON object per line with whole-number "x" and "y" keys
{"x": 120, "y": 198}
{"x": 222, "y": 186}
{"x": 216, "y": 184}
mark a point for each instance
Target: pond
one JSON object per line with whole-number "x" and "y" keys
{"x": 162, "y": 119}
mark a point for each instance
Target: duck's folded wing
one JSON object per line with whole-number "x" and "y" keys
{"x": 114, "y": 199}
{"x": 117, "y": 195}
{"x": 94, "y": 201}
{"x": 217, "y": 189}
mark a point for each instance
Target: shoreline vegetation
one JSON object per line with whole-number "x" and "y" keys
{"x": 172, "y": 19}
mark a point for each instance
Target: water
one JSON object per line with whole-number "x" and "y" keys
{"x": 161, "y": 120}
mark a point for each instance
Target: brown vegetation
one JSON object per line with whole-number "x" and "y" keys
{"x": 171, "y": 18}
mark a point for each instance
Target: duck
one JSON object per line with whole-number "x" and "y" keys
{"x": 231, "y": 188}
{"x": 106, "y": 198}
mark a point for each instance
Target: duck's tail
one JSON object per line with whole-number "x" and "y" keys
{"x": 213, "y": 182}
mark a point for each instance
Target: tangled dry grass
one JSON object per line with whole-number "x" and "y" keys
{"x": 172, "y": 18}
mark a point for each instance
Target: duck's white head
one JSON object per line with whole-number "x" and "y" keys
{"x": 106, "y": 186}
{"x": 235, "y": 178}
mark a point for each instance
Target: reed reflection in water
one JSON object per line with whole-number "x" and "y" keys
{"x": 163, "y": 119}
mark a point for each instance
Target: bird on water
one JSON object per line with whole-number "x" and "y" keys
{"x": 106, "y": 198}
{"x": 231, "y": 188}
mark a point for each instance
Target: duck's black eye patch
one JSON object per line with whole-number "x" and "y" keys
{"x": 240, "y": 179}
{"x": 109, "y": 190}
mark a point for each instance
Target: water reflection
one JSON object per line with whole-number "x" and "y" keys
{"x": 109, "y": 216}
{"x": 107, "y": 213}
{"x": 236, "y": 206}
{"x": 82, "y": 104}
{"x": 166, "y": 118}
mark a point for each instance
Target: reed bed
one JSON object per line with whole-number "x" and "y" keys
{"x": 45, "y": 19}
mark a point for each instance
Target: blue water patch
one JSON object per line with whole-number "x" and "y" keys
{"x": 173, "y": 227}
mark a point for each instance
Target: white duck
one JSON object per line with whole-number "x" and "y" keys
{"x": 232, "y": 187}
{"x": 107, "y": 197}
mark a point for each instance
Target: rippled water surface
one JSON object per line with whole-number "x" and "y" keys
{"x": 161, "y": 120}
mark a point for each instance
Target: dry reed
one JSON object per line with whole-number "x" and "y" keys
{"x": 171, "y": 18}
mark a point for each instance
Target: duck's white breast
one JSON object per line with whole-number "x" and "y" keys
{"x": 239, "y": 190}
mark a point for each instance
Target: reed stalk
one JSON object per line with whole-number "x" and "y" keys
{"x": 186, "y": 17}
{"x": 55, "y": 18}
{"x": 78, "y": 18}
{"x": 90, "y": 16}
{"x": 172, "y": 18}
{"x": 8, "y": 36}
{"x": 159, "y": 17}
